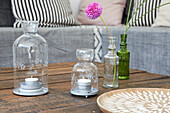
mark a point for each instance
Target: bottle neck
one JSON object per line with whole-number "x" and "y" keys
{"x": 123, "y": 44}
{"x": 110, "y": 53}
{"x": 123, "y": 39}
{"x": 123, "y": 47}
{"x": 111, "y": 47}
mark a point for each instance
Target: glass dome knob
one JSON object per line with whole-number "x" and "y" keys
{"x": 85, "y": 54}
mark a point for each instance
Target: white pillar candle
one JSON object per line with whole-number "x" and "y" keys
{"x": 31, "y": 81}
{"x": 84, "y": 85}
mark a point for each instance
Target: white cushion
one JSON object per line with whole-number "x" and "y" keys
{"x": 75, "y": 5}
{"x": 163, "y": 18}
{"x": 49, "y": 13}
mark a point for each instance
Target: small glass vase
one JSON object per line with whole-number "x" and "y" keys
{"x": 111, "y": 64}
{"x": 124, "y": 56}
{"x": 84, "y": 74}
{"x": 30, "y": 61}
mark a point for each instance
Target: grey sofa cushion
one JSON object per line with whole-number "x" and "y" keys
{"x": 6, "y": 17}
{"x": 67, "y": 38}
{"x": 149, "y": 47}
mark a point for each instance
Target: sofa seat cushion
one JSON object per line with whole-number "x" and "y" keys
{"x": 149, "y": 47}
{"x": 58, "y": 39}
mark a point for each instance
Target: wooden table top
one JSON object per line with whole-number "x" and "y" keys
{"x": 59, "y": 99}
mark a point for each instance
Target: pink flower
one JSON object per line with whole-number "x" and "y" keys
{"x": 93, "y": 10}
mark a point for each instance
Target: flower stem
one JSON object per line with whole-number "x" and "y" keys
{"x": 127, "y": 21}
{"x": 147, "y": 13}
{"x": 106, "y": 26}
{"x": 128, "y": 13}
{"x": 113, "y": 51}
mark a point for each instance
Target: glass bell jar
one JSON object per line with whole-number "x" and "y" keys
{"x": 84, "y": 74}
{"x": 30, "y": 61}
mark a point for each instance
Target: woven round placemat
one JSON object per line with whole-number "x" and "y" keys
{"x": 136, "y": 100}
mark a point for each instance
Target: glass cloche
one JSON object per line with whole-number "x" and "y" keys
{"x": 84, "y": 74}
{"x": 30, "y": 61}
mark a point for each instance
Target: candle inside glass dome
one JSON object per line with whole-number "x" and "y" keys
{"x": 84, "y": 85}
{"x": 31, "y": 81}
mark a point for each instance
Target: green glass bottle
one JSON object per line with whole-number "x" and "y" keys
{"x": 124, "y": 56}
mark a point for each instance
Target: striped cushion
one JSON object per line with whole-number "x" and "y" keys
{"x": 49, "y": 13}
{"x": 149, "y": 18}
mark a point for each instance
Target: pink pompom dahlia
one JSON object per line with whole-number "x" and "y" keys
{"x": 93, "y": 10}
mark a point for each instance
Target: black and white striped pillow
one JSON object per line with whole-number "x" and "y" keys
{"x": 149, "y": 18}
{"x": 49, "y": 13}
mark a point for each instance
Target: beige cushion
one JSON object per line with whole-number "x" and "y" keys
{"x": 163, "y": 18}
{"x": 112, "y": 12}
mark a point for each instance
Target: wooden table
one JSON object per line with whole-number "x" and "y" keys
{"x": 59, "y": 99}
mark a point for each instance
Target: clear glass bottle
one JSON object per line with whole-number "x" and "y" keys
{"x": 124, "y": 56}
{"x": 84, "y": 74}
{"x": 30, "y": 61}
{"x": 111, "y": 64}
